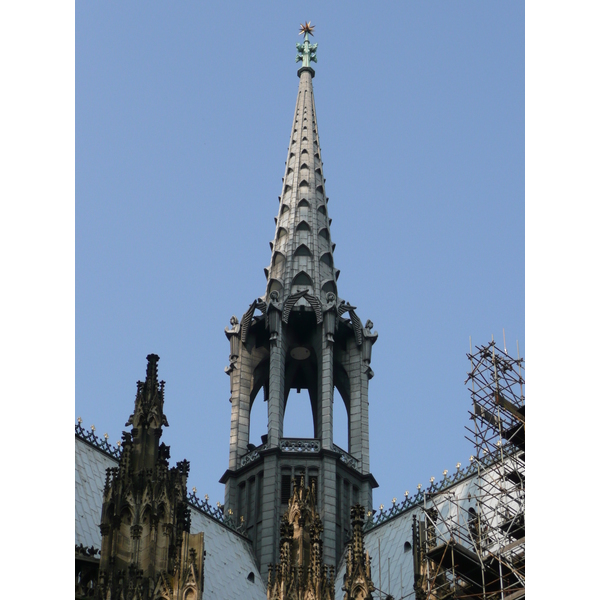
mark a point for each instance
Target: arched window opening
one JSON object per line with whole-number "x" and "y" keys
{"x": 327, "y": 259}
{"x": 275, "y": 286}
{"x": 303, "y": 226}
{"x": 298, "y": 418}
{"x": 277, "y": 265}
{"x": 324, "y": 233}
{"x": 303, "y": 203}
{"x": 259, "y": 420}
{"x": 329, "y": 286}
{"x": 305, "y": 151}
{"x": 407, "y": 547}
{"x": 302, "y": 279}
{"x": 340, "y": 421}
{"x": 284, "y": 208}
{"x": 302, "y": 250}
{"x": 322, "y": 210}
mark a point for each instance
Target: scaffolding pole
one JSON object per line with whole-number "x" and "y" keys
{"x": 470, "y": 540}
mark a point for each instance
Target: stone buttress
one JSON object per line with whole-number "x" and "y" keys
{"x": 299, "y": 335}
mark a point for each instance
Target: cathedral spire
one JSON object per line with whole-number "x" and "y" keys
{"x": 299, "y": 336}
{"x": 302, "y": 252}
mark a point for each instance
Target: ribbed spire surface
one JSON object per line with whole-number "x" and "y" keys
{"x": 302, "y": 257}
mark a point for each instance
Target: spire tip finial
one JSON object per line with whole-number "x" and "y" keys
{"x": 307, "y": 52}
{"x": 306, "y": 28}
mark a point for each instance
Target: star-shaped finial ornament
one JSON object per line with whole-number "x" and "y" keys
{"x": 306, "y": 28}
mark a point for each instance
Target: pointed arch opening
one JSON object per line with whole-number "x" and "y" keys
{"x": 298, "y": 419}
{"x": 259, "y": 421}
{"x": 301, "y": 282}
{"x": 284, "y": 208}
{"x": 302, "y": 250}
{"x": 327, "y": 259}
{"x": 277, "y": 265}
{"x": 329, "y": 286}
{"x": 290, "y": 171}
{"x": 303, "y": 203}
{"x": 303, "y": 185}
{"x": 302, "y": 279}
{"x": 305, "y": 151}
{"x": 320, "y": 188}
{"x": 304, "y": 166}
{"x": 341, "y": 430}
{"x": 324, "y": 233}
{"x": 303, "y": 226}
{"x": 275, "y": 285}
{"x": 322, "y": 209}
{"x": 281, "y": 233}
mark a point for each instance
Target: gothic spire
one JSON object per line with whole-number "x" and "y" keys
{"x": 302, "y": 252}
{"x": 299, "y": 336}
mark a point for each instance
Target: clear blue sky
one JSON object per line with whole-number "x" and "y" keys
{"x": 183, "y": 116}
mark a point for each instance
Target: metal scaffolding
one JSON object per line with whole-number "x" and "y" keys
{"x": 470, "y": 540}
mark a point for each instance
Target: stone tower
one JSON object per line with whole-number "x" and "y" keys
{"x": 299, "y": 335}
{"x": 147, "y": 550}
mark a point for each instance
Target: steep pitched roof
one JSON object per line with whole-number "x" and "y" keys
{"x": 90, "y": 472}
{"x": 229, "y": 559}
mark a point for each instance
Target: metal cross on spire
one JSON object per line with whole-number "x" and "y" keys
{"x": 307, "y": 52}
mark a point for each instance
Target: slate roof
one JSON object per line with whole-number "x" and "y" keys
{"x": 90, "y": 470}
{"x": 228, "y": 563}
{"x": 229, "y": 558}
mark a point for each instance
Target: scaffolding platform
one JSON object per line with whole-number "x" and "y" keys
{"x": 471, "y": 543}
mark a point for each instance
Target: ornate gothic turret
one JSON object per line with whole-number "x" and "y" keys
{"x": 300, "y": 573}
{"x": 300, "y": 335}
{"x": 147, "y": 550}
{"x": 357, "y": 579}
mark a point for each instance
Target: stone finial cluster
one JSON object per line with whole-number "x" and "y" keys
{"x": 147, "y": 549}
{"x": 357, "y": 579}
{"x": 300, "y": 573}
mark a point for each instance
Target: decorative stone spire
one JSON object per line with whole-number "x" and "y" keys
{"x": 300, "y": 573}
{"x": 147, "y": 549}
{"x": 302, "y": 252}
{"x": 299, "y": 336}
{"x": 357, "y": 579}
{"x": 148, "y": 418}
